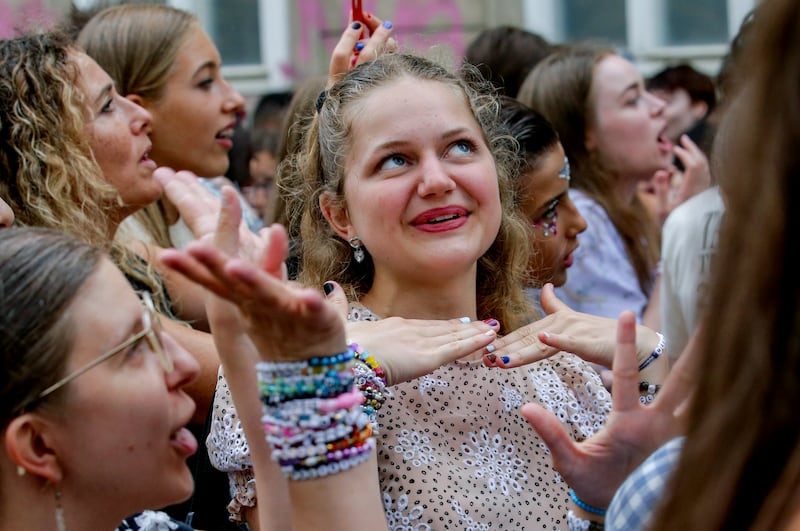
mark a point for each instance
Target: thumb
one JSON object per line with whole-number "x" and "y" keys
{"x": 551, "y": 303}
{"x": 335, "y": 295}
{"x": 552, "y": 432}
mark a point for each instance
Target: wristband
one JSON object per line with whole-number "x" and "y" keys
{"x": 656, "y": 353}
{"x": 585, "y": 506}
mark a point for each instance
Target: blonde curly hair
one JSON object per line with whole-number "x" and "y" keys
{"x": 50, "y": 177}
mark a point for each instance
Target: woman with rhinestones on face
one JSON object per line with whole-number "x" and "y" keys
{"x": 542, "y": 195}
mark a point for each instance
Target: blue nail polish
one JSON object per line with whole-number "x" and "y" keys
{"x": 465, "y": 320}
{"x": 490, "y": 348}
{"x": 328, "y": 287}
{"x": 505, "y": 359}
{"x": 387, "y": 24}
{"x": 356, "y": 25}
{"x": 360, "y": 46}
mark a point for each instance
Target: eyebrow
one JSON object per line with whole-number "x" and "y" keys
{"x": 633, "y": 86}
{"x": 103, "y": 92}
{"x": 208, "y": 64}
{"x": 447, "y": 135}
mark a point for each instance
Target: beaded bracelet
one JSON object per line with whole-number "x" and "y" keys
{"x": 655, "y": 354}
{"x": 649, "y": 391}
{"x": 332, "y": 468}
{"x": 371, "y": 380}
{"x": 585, "y": 506}
{"x": 576, "y": 523}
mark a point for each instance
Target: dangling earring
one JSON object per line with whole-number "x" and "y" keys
{"x": 358, "y": 248}
{"x": 60, "y": 525}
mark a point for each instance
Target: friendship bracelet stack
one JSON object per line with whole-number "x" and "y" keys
{"x": 313, "y": 414}
{"x": 371, "y": 380}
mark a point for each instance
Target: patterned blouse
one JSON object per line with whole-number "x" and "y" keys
{"x": 453, "y": 450}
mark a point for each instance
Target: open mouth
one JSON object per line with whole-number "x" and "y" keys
{"x": 664, "y": 143}
{"x": 442, "y": 219}
{"x": 226, "y": 134}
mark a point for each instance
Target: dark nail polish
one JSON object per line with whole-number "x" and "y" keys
{"x": 328, "y": 288}
{"x": 491, "y": 322}
{"x": 491, "y": 357}
{"x": 356, "y": 25}
{"x": 360, "y": 46}
{"x": 505, "y": 359}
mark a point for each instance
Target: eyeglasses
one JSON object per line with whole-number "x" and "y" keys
{"x": 151, "y": 332}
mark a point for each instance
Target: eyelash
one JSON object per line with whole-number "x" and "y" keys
{"x": 468, "y": 144}
{"x": 206, "y": 83}
{"x": 107, "y": 106}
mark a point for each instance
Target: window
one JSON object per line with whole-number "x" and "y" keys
{"x": 697, "y": 22}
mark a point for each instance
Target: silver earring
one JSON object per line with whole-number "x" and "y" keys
{"x": 21, "y": 470}
{"x": 60, "y": 525}
{"x": 358, "y": 248}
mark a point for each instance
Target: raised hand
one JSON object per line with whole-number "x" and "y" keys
{"x": 200, "y": 209}
{"x": 285, "y": 322}
{"x": 354, "y": 48}
{"x": 596, "y": 467}
{"x": 673, "y": 187}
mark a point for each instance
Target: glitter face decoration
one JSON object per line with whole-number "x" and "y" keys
{"x": 549, "y": 220}
{"x": 564, "y": 173}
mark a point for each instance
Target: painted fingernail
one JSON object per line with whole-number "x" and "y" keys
{"x": 491, "y": 357}
{"x": 490, "y": 349}
{"x": 356, "y": 25}
{"x": 505, "y": 359}
{"x": 491, "y": 322}
{"x": 328, "y": 287}
{"x": 465, "y": 320}
{"x": 387, "y": 24}
{"x": 360, "y": 46}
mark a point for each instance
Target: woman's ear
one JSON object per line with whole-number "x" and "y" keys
{"x": 29, "y": 444}
{"x": 138, "y": 100}
{"x": 337, "y": 216}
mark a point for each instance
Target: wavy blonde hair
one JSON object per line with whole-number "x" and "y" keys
{"x": 326, "y": 256}
{"x": 49, "y": 175}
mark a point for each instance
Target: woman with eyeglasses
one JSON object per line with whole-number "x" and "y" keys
{"x": 93, "y": 397}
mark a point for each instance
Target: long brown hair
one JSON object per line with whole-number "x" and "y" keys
{"x": 740, "y": 467}
{"x": 560, "y": 88}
